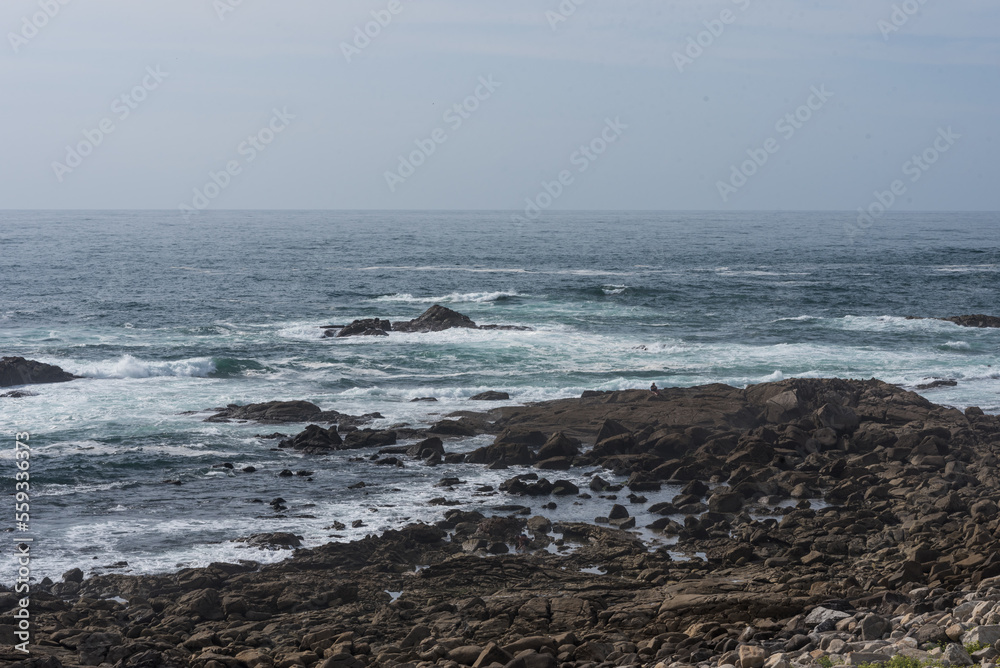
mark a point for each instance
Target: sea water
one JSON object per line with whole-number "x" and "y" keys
{"x": 162, "y": 317}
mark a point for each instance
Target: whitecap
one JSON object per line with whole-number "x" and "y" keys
{"x": 453, "y": 298}
{"x": 128, "y": 366}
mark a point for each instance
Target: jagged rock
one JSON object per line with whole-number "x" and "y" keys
{"x": 314, "y": 439}
{"x": 426, "y": 448}
{"x": 273, "y": 541}
{"x": 19, "y": 371}
{"x": 435, "y": 319}
{"x": 280, "y": 412}
{"x": 559, "y": 445}
{"x": 365, "y": 327}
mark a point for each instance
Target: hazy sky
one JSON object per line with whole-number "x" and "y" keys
{"x": 305, "y": 112}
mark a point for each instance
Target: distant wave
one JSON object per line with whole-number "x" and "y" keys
{"x": 453, "y": 298}
{"x": 128, "y": 366}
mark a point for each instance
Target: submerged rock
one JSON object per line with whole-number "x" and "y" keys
{"x": 19, "y": 371}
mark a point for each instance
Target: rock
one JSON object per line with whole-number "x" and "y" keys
{"x": 314, "y": 439}
{"x": 841, "y": 419}
{"x": 955, "y": 655}
{"x": 821, "y": 614}
{"x": 17, "y": 394}
{"x": 873, "y": 627}
{"x": 751, "y": 656}
{"x": 491, "y": 654}
{"x": 423, "y": 399}
{"x": 426, "y": 448}
{"x": 564, "y": 488}
{"x": 618, "y": 512}
{"x": 982, "y": 635}
{"x": 559, "y": 445}
{"x": 435, "y": 319}
{"x": 73, "y": 575}
{"x": 19, "y": 371}
{"x": 466, "y": 654}
{"x": 367, "y": 327}
{"x": 937, "y": 383}
{"x": 490, "y": 396}
{"x": 273, "y": 541}
{"x": 725, "y": 503}
{"x": 280, "y": 412}
{"x": 978, "y": 320}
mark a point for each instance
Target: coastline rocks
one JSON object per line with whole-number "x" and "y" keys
{"x": 19, "y": 371}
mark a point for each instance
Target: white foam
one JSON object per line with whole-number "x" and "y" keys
{"x": 452, "y": 298}
{"x": 957, "y": 345}
{"x": 128, "y": 366}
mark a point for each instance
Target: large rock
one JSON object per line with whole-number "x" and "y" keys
{"x": 435, "y": 319}
{"x": 19, "y": 371}
{"x": 314, "y": 440}
{"x": 365, "y": 327}
{"x": 490, "y": 396}
{"x": 281, "y": 412}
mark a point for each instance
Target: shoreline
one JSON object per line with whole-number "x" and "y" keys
{"x": 907, "y": 494}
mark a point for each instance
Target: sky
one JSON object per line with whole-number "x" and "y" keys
{"x": 522, "y": 105}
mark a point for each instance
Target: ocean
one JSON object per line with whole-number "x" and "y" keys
{"x": 162, "y": 317}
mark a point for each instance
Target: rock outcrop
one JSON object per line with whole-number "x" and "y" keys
{"x": 19, "y": 371}
{"x": 435, "y": 319}
{"x": 281, "y": 412}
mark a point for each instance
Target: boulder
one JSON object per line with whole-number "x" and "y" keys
{"x": 559, "y": 445}
{"x": 19, "y": 371}
{"x": 426, "y": 448}
{"x": 490, "y": 396}
{"x": 435, "y": 319}
{"x": 314, "y": 439}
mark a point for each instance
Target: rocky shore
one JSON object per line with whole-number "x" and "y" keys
{"x": 835, "y": 522}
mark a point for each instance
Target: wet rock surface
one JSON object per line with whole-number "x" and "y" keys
{"x": 435, "y": 319}
{"x": 16, "y": 371}
{"x": 281, "y": 412}
{"x": 834, "y": 522}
